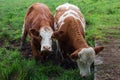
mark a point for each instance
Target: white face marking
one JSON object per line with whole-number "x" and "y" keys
{"x": 86, "y": 58}
{"x": 46, "y": 42}
{"x": 69, "y": 13}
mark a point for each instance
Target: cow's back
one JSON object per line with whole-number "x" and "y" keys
{"x": 64, "y": 10}
{"x": 38, "y": 15}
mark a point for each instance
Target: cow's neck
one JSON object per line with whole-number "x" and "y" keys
{"x": 79, "y": 42}
{"x": 76, "y": 35}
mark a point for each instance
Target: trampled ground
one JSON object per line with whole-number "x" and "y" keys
{"x": 110, "y": 56}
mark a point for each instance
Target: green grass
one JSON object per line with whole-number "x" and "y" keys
{"x": 100, "y": 16}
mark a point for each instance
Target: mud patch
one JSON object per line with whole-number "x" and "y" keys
{"x": 27, "y": 53}
{"x": 15, "y": 45}
{"x": 110, "y": 68}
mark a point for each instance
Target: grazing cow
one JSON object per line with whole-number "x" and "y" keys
{"x": 70, "y": 32}
{"x": 38, "y": 23}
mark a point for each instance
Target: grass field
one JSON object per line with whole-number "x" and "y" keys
{"x": 100, "y": 15}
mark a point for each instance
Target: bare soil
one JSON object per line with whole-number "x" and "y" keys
{"x": 109, "y": 59}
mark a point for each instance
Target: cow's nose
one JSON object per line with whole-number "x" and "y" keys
{"x": 84, "y": 76}
{"x": 46, "y": 47}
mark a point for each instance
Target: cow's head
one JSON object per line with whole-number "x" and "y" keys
{"x": 84, "y": 58}
{"x": 45, "y": 34}
{"x": 46, "y": 42}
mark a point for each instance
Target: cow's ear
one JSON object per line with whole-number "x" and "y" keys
{"x": 74, "y": 55}
{"x": 57, "y": 34}
{"x": 54, "y": 34}
{"x": 98, "y": 49}
{"x": 34, "y": 32}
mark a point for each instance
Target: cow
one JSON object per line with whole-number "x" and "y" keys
{"x": 38, "y": 24}
{"x": 69, "y": 26}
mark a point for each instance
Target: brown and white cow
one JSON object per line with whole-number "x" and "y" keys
{"x": 70, "y": 32}
{"x": 38, "y": 23}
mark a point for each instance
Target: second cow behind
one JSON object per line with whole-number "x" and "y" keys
{"x": 70, "y": 32}
{"x": 38, "y": 23}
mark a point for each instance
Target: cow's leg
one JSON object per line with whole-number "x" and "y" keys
{"x": 35, "y": 52}
{"x": 57, "y": 51}
{"x": 23, "y": 38}
{"x": 68, "y": 63}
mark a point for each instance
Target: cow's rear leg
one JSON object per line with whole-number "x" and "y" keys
{"x": 23, "y": 38}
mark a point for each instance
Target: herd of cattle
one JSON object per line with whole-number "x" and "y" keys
{"x": 66, "y": 28}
